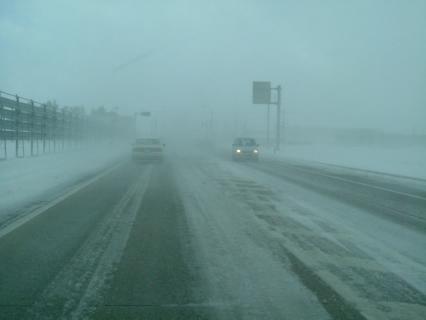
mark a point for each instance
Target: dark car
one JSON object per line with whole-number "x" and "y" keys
{"x": 245, "y": 148}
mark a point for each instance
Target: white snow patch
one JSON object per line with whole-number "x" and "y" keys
{"x": 407, "y": 161}
{"x": 25, "y": 180}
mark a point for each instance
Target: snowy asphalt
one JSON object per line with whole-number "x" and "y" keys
{"x": 206, "y": 238}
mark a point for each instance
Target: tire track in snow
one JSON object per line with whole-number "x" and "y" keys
{"x": 327, "y": 262}
{"x": 77, "y": 289}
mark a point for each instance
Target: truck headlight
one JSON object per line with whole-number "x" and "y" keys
{"x": 255, "y": 151}
{"x": 238, "y": 151}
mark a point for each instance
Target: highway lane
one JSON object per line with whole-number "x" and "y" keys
{"x": 399, "y": 199}
{"x": 338, "y": 246}
{"x": 34, "y": 255}
{"x": 378, "y": 221}
{"x": 198, "y": 237}
{"x": 116, "y": 248}
{"x": 157, "y": 277}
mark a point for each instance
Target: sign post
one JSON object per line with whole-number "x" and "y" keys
{"x": 262, "y": 95}
{"x": 278, "y": 132}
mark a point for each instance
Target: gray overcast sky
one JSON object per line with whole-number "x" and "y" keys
{"x": 354, "y": 63}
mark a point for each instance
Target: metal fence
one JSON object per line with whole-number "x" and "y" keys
{"x": 36, "y": 128}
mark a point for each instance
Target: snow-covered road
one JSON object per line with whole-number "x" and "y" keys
{"x": 258, "y": 225}
{"x": 202, "y": 237}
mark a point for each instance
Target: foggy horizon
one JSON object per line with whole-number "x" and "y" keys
{"x": 350, "y": 65}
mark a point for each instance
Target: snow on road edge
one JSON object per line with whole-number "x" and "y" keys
{"x": 24, "y": 181}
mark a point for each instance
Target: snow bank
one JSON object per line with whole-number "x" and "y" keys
{"x": 24, "y": 181}
{"x": 407, "y": 161}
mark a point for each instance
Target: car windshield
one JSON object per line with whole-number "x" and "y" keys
{"x": 246, "y": 142}
{"x": 213, "y": 159}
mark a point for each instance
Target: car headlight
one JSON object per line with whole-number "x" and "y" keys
{"x": 238, "y": 151}
{"x": 255, "y": 151}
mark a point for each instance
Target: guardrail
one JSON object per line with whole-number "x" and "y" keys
{"x": 36, "y": 127}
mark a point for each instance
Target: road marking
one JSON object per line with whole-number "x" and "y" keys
{"x": 361, "y": 183}
{"x": 20, "y": 221}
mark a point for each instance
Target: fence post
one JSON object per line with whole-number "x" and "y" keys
{"x": 3, "y": 130}
{"x": 17, "y": 127}
{"x": 44, "y": 127}
{"x": 32, "y": 128}
{"x": 63, "y": 129}
{"x": 71, "y": 128}
{"x": 55, "y": 127}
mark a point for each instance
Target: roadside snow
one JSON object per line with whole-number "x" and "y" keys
{"x": 24, "y": 181}
{"x": 407, "y": 161}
